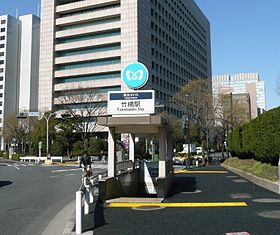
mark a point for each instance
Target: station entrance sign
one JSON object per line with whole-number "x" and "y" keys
{"x": 131, "y": 102}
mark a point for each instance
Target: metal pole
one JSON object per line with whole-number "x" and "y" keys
{"x": 47, "y": 143}
{"x": 79, "y": 195}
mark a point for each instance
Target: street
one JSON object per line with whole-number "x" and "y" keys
{"x": 31, "y": 195}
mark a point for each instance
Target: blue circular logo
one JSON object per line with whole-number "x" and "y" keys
{"x": 135, "y": 75}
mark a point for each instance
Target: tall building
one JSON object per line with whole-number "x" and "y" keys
{"x": 29, "y": 63}
{"x": 19, "y": 43}
{"x": 240, "y": 84}
{"x": 86, "y": 43}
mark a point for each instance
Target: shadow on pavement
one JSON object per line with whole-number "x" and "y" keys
{"x": 183, "y": 183}
{"x": 5, "y": 183}
{"x": 95, "y": 218}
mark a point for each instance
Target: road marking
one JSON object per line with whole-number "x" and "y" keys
{"x": 11, "y": 166}
{"x": 69, "y": 174}
{"x": 201, "y": 172}
{"x": 53, "y": 176}
{"x": 178, "y": 204}
{"x": 238, "y": 233}
{"x": 65, "y": 170}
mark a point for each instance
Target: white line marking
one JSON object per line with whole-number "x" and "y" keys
{"x": 69, "y": 174}
{"x": 65, "y": 170}
{"x": 53, "y": 176}
{"x": 11, "y": 166}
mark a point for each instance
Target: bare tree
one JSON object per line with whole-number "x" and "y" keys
{"x": 195, "y": 100}
{"x": 84, "y": 107}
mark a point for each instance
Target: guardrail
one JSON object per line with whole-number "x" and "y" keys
{"x": 124, "y": 166}
{"x": 32, "y": 158}
{"x": 84, "y": 197}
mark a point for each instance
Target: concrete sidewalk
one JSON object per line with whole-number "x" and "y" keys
{"x": 202, "y": 201}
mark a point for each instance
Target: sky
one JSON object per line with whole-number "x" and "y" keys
{"x": 245, "y": 37}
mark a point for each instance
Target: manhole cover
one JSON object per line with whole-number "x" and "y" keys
{"x": 267, "y": 200}
{"x": 196, "y": 191}
{"x": 239, "y": 181}
{"x": 270, "y": 214}
{"x": 147, "y": 208}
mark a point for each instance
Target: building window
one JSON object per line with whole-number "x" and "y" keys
{"x": 2, "y": 30}
{"x": 1, "y": 61}
{"x": 1, "y": 95}
{"x": 1, "y": 103}
{"x": 1, "y": 87}
{"x": 2, "y": 54}
{"x": 2, "y": 38}
{"x": 1, "y": 78}
{"x": 3, "y": 21}
{"x": 1, "y": 70}
{"x": 2, "y": 45}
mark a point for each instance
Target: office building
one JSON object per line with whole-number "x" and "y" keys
{"x": 86, "y": 43}
{"x": 19, "y": 43}
{"x": 240, "y": 84}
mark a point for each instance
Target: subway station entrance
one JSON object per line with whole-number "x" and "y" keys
{"x": 130, "y": 177}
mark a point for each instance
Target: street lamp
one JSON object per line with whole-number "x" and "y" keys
{"x": 47, "y": 141}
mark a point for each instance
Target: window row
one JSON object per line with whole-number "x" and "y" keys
{"x": 91, "y": 23}
{"x": 110, "y": 47}
{"x": 93, "y": 77}
{"x": 93, "y": 9}
{"x": 93, "y": 63}
{"x": 91, "y": 36}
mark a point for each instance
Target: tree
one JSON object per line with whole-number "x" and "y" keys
{"x": 195, "y": 101}
{"x": 84, "y": 107}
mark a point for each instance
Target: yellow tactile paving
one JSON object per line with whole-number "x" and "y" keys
{"x": 179, "y": 204}
{"x": 200, "y": 172}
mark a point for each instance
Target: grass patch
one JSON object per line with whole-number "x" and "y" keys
{"x": 253, "y": 167}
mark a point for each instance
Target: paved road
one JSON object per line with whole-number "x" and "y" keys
{"x": 261, "y": 216}
{"x": 31, "y": 195}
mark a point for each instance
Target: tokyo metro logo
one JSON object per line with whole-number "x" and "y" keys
{"x": 135, "y": 75}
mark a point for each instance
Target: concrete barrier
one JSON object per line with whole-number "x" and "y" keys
{"x": 269, "y": 185}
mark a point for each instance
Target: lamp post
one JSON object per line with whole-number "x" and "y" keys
{"x": 47, "y": 141}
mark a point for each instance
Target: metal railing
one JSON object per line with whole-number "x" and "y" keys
{"x": 84, "y": 197}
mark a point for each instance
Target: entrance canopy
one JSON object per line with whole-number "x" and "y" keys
{"x": 152, "y": 125}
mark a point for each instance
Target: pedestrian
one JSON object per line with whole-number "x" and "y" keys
{"x": 103, "y": 158}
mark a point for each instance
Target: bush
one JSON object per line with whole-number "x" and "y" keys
{"x": 258, "y": 139}
{"x": 15, "y": 157}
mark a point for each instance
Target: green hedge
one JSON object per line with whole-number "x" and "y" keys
{"x": 258, "y": 139}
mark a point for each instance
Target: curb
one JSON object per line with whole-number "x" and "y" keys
{"x": 269, "y": 185}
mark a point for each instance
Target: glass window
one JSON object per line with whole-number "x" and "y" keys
{"x": 2, "y": 38}
{"x": 3, "y": 21}
{"x": 2, "y": 45}
{"x": 90, "y": 77}
{"x": 90, "y": 50}
{"x": 91, "y": 36}
{"x": 89, "y": 64}
{"x": 3, "y": 30}
{"x": 1, "y": 53}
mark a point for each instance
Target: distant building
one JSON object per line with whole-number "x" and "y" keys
{"x": 85, "y": 45}
{"x": 19, "y": 61}
{"x": 240, "y": 84}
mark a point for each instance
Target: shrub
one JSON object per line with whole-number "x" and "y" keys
{"x": 258, "y": 139}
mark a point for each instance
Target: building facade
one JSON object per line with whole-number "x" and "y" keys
{"x": 241, "y": 84}
{"x": 19, "y": 42}
{"x": 86, "y": 43}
